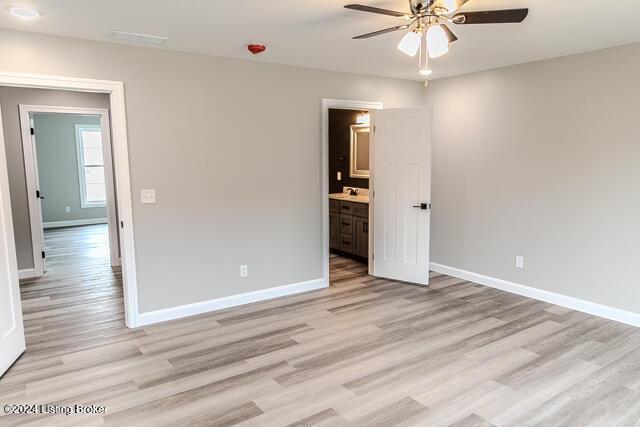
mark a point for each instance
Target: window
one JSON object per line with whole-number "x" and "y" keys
{"x": 90, "y": 166}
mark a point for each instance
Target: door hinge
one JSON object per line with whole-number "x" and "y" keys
{"x": 43, "y": 255}
{"x": 33, "y": 131}
{"x": 373, "y": 256}
{"x": 374, "y": 128}
{"x": 121, "y": 224}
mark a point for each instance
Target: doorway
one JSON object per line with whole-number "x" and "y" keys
{"x": 346, "y": 201}
{"x": 12, "y": 321}
{"x": 399, "y": 193}
{"x": 349, "y": 143}
{"x": 69, "y": 174}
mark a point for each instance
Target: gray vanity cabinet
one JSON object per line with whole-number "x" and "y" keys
{"x": 349, "y": 227}
{"x": 334, "y": 230}
{"x": 334, "y": 224}
{"x": 361, "y": 237}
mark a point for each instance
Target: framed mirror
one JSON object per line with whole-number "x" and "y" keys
{"x": 359, "y": 156}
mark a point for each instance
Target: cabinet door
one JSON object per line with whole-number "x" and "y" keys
{"x": 334, "y": 230}
{"x": 346, "y": 243}
{"x": 346, "y": 224}
{"x": 361, "y": 237}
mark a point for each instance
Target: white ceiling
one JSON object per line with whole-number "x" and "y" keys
{"x": 317, "y": 33}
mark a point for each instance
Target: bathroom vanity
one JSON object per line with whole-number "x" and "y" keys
{"x": 349, "y": 224}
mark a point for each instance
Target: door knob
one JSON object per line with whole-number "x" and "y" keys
{"x": 423, "y": 206}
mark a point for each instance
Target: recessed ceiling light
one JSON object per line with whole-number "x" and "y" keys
{"x": 138, "y": 38}
{"x": 24, "y": 12}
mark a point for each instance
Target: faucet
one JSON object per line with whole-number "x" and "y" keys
{"x": 352, "y": 191}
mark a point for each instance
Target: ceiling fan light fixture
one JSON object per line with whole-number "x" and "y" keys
{"x": 437, "y": 41}
{"x": 425, "y": 72}
{"x": 410, "y": 43}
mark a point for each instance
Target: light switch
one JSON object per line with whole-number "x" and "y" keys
{"x": 339, "y": 177}
{"x": 147, "y": 196}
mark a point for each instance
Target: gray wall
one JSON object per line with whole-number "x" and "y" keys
{"x": 10, "y": 99}
{"x": 58, "y": 167}
{"x": 543, "y": 160}
{"x": 232, "y": 148}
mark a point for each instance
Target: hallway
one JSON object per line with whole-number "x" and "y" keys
{"x": 78, "y": 302}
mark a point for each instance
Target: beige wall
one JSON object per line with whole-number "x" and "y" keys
{"x": 232, "y": 148}
{"x": 10, "y": 99}
{"x": 543, "y": 160}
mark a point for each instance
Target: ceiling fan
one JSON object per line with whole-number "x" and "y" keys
{"x": 428, "y": 19}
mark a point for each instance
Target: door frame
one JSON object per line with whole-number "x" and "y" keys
{"x": 341, "y": 104}
{"x": 115, "y": 90}
{"x": 31, "y": 172}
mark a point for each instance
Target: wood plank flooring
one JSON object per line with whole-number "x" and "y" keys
{"x": 364, "y": 352}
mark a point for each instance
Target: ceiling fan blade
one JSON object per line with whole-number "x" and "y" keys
{"x": 491, "y": 16}
{"x": 379, "y": 32}
{"x": 371, "y": 9}
{"x": 450, "y": 5}
{"x": 452, "y": 37}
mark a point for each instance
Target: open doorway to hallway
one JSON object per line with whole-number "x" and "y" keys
{"x": 17, "y": 251}
{"x": 62, "y": 193}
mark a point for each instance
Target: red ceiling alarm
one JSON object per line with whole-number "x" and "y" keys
{"x": 256, "y": 48}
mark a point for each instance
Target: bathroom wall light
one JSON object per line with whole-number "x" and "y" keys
{"x": 24, "y": 12}
{"x": 363, "y": 119}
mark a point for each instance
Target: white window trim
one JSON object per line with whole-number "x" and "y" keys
{"x": 80, "y": 157}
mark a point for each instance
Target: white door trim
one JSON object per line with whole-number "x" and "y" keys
{"x": 115, "y": 89}
{"x": 31, "y": 172}
{"x": 342, "y": 104}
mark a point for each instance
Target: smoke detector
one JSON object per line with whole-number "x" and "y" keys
{"x": 256, "y": 48}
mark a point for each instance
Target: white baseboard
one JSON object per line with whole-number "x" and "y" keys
{"x": 596, "y": 309}
{"x": 178, "y": 312}
{"x": 27, "y": 273}
{"x": 75, "y": 222}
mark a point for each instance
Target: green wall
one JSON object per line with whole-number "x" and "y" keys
{"x": 58, "y": 167}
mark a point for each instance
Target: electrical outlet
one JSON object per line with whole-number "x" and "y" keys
{"x": 519, "y": 261}
{"x": 244, "y": 270}
{"x": 67, "y": 209}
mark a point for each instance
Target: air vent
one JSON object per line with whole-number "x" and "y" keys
{"x": 138, "y": 38}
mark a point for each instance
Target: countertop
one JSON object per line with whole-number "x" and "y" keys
{"x": 346, "y": 197}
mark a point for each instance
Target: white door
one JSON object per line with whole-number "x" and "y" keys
{"x": 401, "y": 180}
{"x": 12, "y": 342}
{"x": 40, "y": 263}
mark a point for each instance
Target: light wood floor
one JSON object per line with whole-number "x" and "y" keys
{"x": 364, "y": 352}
